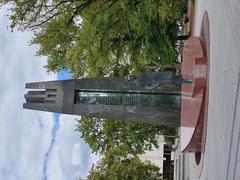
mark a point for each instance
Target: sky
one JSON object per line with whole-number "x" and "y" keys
{"x": 34, "y": 145}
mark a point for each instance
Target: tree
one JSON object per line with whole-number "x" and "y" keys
{"x": 33, "y": 15}
{"x": 98, "y": 38}
{"x": 129, "y": 137}
{"x": 103, "y": 38}
{"x": 112, "y": 167}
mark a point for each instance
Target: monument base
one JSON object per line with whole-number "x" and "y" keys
{"x": 195, "y": 95}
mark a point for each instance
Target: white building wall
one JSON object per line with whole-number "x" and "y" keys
{"x": 156, "y": 155}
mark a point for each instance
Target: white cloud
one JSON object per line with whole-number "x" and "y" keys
{"x": 25, "y": 135}
{"x": 54, "y": 169}
{"x": 71, "y": 154}
{"x": 23, "y": 140}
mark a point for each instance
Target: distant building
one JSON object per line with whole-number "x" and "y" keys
{"x": 156, "y": 155}
{"x": 162, "y": 157}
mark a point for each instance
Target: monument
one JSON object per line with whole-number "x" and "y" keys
{"x": 162, "y": 98}
{"x": 152, "y": 97}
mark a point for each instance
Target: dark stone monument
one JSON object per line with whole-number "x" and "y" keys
{"x": 151, "y": 97}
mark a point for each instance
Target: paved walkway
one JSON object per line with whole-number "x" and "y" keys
{"x": 222, "y": 154}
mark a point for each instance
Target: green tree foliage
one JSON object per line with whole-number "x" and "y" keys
{"x": 102, "y": 38}
{"x": 98, "y": 38}
{"x": 129, "y": 137}
{"x": 112, "y": 167}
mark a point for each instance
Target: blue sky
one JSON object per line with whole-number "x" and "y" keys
{"x": 34, "y": 145}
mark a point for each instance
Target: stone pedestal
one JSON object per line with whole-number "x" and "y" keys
{"x": 194, "y": 104}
